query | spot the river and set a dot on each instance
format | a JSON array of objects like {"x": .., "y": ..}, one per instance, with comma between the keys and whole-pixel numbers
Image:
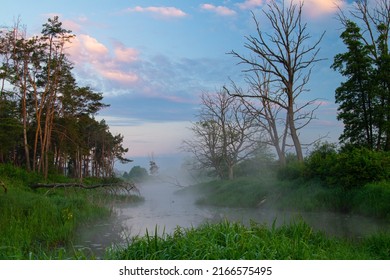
[{"x": 164, "y": 209}]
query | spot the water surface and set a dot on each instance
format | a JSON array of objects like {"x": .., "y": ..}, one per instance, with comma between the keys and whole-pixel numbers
[{"x": 164, "y": 209}]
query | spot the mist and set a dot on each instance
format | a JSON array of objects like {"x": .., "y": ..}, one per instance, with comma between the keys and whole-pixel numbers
[{"x": 172, "y": 199}]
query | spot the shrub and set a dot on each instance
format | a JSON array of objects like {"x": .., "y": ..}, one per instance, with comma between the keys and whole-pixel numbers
[
  {"x": 348, "y": 169},
  {"x": 321, "y": 161},
  {"x": 293, "y": 170}
]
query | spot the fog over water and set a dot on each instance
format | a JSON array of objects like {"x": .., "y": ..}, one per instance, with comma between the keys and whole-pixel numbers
[{"x": 164, "y": 209}]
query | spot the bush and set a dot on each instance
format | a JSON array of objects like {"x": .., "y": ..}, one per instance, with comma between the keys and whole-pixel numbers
[
  {"x": 361, "y": 166},
  {"x": 321, "y": 162},
  {"x": 348, "y": 169},
  {"x": 293, "y": 170}
]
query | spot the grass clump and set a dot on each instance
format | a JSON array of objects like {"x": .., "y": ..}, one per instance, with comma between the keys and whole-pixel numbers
[{"x": 235, "y": 241}]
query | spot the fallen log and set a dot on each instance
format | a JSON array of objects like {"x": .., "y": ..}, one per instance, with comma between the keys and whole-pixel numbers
[{"x": 113, "y": 187}]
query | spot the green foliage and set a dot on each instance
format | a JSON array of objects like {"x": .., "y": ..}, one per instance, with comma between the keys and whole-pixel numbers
[
  {"x": 37, "y": 122},
  {"x": 10, "y": 128},
  {"x": 350, "y": 168},
  {"x": 40, "y": 224},
  {"x": 321, "y": 160},
  {"x": 137, "y": 174},
  {"x": 262, "y": 163},
  {"x": 234, "y": 241},
  {"x": 293, "y": 170},
  {"x": 240, "y": 192},
  {"x": 364, "y": 97},
  {"x": 373, "y": 199}
]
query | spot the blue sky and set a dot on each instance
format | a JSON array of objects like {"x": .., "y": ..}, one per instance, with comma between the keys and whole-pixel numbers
[{"x": 152, "y": 59}]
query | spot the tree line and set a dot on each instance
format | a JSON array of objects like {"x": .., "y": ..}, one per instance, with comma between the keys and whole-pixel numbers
[
  {"x": 47, "y": 121},
  {"x": 235, "y": 123}
]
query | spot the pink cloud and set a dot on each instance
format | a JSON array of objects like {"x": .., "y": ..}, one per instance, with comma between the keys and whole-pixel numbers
[
  {"x": 124, "y": 54},
  {"x": 317, "y": 8},
  {"x": 93, "y": 46},
  {"x": 161, "y": 11},
  {"x": 220, "y": 10},
  {"x": 250, "y": 4},
  {"x": 119, "y": 76},
  {"x": 94, "y": 57}
]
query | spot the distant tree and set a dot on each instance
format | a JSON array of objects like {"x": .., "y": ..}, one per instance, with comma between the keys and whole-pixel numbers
[
  {"x": 224, "y": 135},
  {"x": 137, "y": 174},
  {"x": 286, "y": 56},
  {"x": 153, "y": 167}
]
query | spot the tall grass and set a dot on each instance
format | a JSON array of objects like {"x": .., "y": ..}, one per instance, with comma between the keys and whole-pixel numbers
[
  {"x": 39, "y": 224},
  {"x": 234, "y": 241},
  {"x": 241, "y": 192},
  {"x": 301, "y": 194}
]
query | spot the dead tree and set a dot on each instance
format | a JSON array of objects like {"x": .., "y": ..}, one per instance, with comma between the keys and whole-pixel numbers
[{"x": 287, "y": 56}]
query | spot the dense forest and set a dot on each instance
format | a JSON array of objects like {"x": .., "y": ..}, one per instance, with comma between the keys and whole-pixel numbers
[{"x": 46, "y": 119}]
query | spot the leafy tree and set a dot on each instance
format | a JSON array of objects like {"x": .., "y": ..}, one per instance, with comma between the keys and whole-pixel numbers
[
  {"x": 364, "y": 97},
  {"x": 356, "y": 96},
  {"x": 41, "y": 103}
]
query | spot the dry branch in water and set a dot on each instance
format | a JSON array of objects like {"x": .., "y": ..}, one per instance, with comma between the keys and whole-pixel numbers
[{"x": 114, "y": 188}]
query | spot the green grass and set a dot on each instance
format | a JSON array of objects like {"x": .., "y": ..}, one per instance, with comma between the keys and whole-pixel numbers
[
  {"x": 234, "y": 241},
  {"x": 299, "y": 194},
  {"x": 241, "y": 192},
  {"x": 40, "y": 224}
]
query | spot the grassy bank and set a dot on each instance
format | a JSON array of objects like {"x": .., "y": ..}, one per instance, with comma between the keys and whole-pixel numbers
[
  {"x": 372, "y": 199},
  {"x": 234, "y": 241},
  {"x": 40, "y": 224}
]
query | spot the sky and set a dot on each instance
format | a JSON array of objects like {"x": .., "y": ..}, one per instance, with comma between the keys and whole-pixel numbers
[{"x": 152, "y": 59}]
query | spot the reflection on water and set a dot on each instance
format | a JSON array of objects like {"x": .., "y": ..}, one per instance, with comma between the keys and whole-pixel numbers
[{"x": 164, "y": 210}]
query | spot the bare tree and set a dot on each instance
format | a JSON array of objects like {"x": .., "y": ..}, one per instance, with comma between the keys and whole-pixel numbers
[
  {"x": 267, "y": 106},
  {"x": 224, "y": 135},
  {"x": 285, "y": 59}
]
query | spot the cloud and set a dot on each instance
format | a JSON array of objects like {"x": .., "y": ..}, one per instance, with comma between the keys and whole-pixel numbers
[
  {"x": 314, "y": 8},
  {"x": 93, "y": 58},
  {"x": 250, "y": 4},
  {"x": 118, "y": 75},
  {"x": 166, "y": 12},
  {"x": 124, "y": 54},
  {"x": 219, "y": 10},
  {"x": 317, "y": 8}
]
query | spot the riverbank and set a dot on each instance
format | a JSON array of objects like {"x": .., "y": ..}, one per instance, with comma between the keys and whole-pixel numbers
[
  {"x": 233, "y": 241},
  {"x": 40, "y": 224},
  {"x": 294, "y": 240},
  {"x": 295, "y": 194}
]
